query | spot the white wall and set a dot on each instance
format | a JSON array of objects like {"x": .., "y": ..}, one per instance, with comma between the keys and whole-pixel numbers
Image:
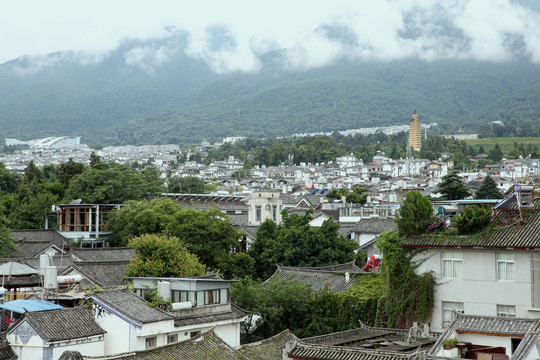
[
  {"x": 230, "y": 333},
  {"x": 120, "y": 336},
  {"x": 479, "y": 289}
]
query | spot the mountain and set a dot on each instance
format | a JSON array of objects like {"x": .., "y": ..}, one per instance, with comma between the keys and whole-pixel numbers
[{"x": 157, "y": 92}]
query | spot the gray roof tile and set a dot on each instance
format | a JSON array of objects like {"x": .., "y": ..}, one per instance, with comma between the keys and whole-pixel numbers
[
  {"x": 526, "y": 236},
  {"x": 129, "y": 304},
  {"x": 203, "y": 347},
  {"x": 65, "y": 324},
  {"x": 268, "y": 349},
  {"x": 320, "y": 277}
]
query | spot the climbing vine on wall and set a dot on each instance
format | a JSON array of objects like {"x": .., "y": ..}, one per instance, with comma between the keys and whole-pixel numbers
[{"x": 407, "y": 296}]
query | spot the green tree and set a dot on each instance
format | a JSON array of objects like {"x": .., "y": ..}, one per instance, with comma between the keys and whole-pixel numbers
[
  {"x": 8, "y": 181},
  {"x": 495, "y": 154},
  {"x": 112, "y": 183},
  {"x": 452, "y": 187},
  {"x": 407, "y": 297},
  {"x": 357, "y": 195},
  {"x": 162, "y": 256},
  {"x": 68, "y": 171},
  {"x": 186, "y": 185},
  {"x": 415, "y": 214},
  {"x": 32, "y": 200},
  {"x": 208, "y": 234},
  {"x": 472, "y": 220},
  {"x": 297, "y": 243},
  {"x": 282, "y": 304},
  {"x": 136, "y": 218},
  {"x": 488, "y": 189}
]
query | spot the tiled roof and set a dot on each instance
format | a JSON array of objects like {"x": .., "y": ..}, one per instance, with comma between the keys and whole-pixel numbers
[
  {"x": 320, "y": 277},
  {"x": 207, "y": 346},
  {"x": 32, "y": 243},
  {"x": 528, "y": 329},
  {"x": 349, "y": 345},
  {"x": 60, "y": 261},
  {"x": 268, "y": 349},
  {"x": 6, "y": 352},
  {"x": 302, "y": 351},
  {"x": 130, "y": 305},
  {"x": 105, "y": 274},
  {"x": 103, "y": 254},
  {"x": 526, "y": 236},
  {"x": 65, "y": 324},
  {"x": 374, "y": 226},
  {"x": 234, "y": 313}
]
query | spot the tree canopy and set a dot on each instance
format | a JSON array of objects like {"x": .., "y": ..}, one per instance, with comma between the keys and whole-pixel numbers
[
  {"x": 208, "y": 234},
  {"x": 357, "y": 195},
  {"x": 186, "y": 185},
  {"x": 296, "y": 243},
  {"x": 452, "y": 187},
  {"x": 32, "y": 200},
  {"x": 415, "y": 214},
  {"x": 472, "y": 220},
  {"x": 488, "y": 189},
  {"x": 111, "y": 183},
  {"x": 162, "y": 256}
]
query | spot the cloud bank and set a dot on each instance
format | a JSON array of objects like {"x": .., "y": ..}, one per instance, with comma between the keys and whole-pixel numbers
[{"x": 230, "y": 36}]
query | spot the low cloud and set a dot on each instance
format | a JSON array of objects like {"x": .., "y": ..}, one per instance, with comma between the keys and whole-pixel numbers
[
  {"x": 312, "y": 34},
  {"x": 148, "y": 58}
]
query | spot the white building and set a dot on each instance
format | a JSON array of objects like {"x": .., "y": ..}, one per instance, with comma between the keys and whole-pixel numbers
[
  {"x": 199, "y": 305},
  {"x": 264, "y": 205},
  {"x": 45, "y": 335},
  {"x": 497, "y": 274}
]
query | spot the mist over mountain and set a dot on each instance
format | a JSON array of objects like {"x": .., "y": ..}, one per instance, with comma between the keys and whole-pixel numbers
[{"x": 177, "y": 90}]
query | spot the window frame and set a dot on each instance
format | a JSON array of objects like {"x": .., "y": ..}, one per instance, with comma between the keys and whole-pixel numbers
[
  {"x": 212, "y": 297},
  {"x": 450, "y": 307},
  {"x": 150, "y": 342},
  {"x": 508, "y": 263},
  {"x": 504, "y": 310},
  {"x": 172, "y": 338},
  {"x": 452, "y": 257}
]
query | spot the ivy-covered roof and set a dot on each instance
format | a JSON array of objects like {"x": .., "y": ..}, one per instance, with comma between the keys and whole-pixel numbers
[
  {"x": 268, "y": 349},
  {"x": 524, "y": 236},
  {"x": 332, "y": 276}
]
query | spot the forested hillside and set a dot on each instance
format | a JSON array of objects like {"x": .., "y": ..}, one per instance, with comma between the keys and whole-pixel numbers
[{"x": 114, "y": 101}]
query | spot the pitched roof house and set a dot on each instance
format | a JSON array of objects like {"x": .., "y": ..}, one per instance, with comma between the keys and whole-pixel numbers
[
  {"x": 47, "y": 334},
  {"x": 495, "y": 274},
  {"x": 489, "y": 337}
]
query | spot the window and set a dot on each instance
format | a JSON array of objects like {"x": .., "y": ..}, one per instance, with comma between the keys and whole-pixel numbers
[
  {"x": 180, "y": 296},
  {"x": 452, "y": 264},
  {"x": 506, "y": 310},
  {"x": 258, "y": 213},
  {"x": 194, "y": 334},
  {"x": 274, "y": 212},
  {"x": 449, "y": 310},
  {"x": 172, "y": 338},
  {"x": 150, "y": 342},
  {"x": 505, "y": 266},
  {"x": 211, "y": 297}
]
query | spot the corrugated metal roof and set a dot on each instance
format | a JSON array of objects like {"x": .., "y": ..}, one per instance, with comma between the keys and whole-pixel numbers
[{"x": 22, "y": 306}]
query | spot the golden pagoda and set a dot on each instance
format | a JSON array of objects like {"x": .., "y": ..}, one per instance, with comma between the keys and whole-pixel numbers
[{"x": 415, "y": 132}]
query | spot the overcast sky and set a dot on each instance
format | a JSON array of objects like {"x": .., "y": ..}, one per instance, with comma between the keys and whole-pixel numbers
[{"x": 487, "y": 30}]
